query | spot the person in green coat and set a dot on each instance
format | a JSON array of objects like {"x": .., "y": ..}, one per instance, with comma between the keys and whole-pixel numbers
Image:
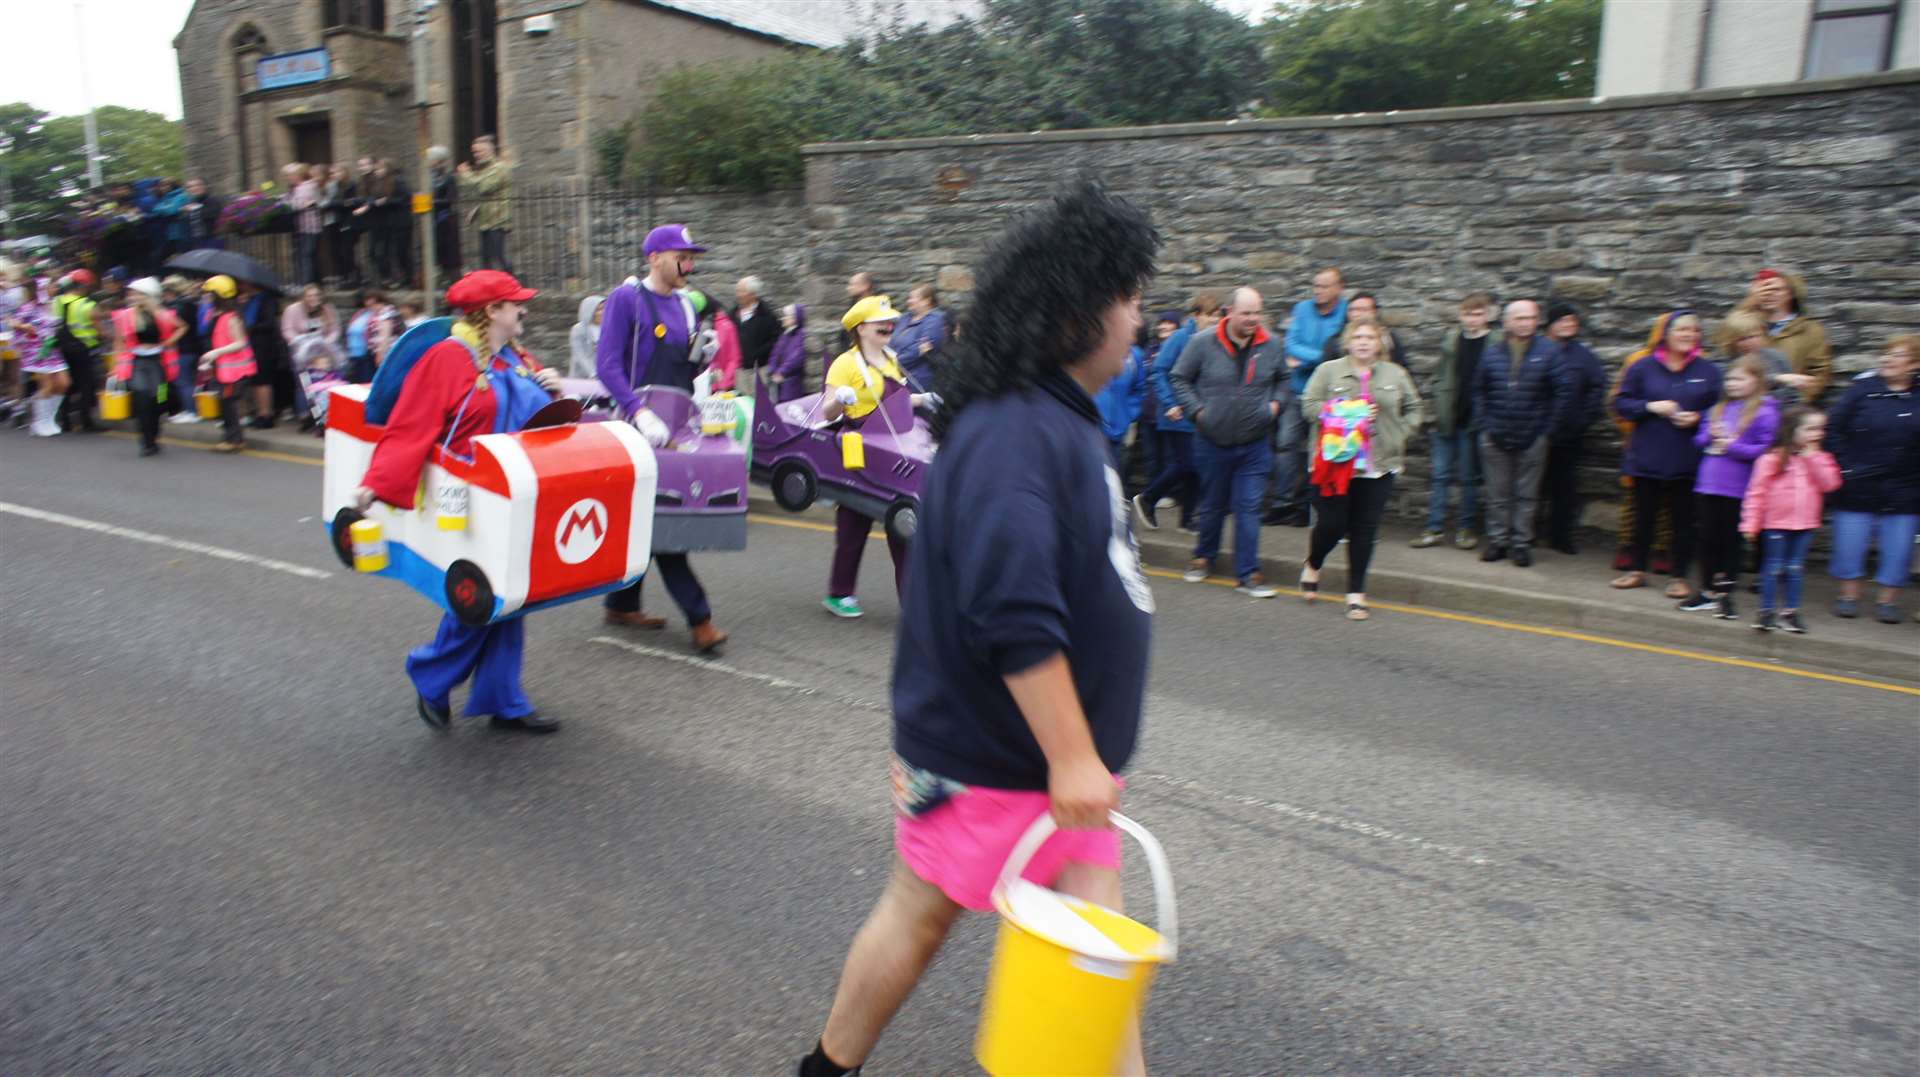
[{"x": 488, "y": 183}]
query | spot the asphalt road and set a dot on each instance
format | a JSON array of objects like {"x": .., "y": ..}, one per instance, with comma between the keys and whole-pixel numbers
[{"x": 1405, "y": 846}]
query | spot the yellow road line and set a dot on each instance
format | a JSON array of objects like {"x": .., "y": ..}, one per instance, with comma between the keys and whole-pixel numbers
[{"x": 1418, "y": 611}]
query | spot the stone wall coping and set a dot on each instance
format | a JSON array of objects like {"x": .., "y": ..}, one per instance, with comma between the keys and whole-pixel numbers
[{"x": 1906, "y": 77}]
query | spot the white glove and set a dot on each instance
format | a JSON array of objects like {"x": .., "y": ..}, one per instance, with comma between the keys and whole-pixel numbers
[
  {"x": 651, "y": 428},
  {"x": 926, "y": 400},
  {"x": 846, "y": 395},
  {"x": 547, "y": 378}
]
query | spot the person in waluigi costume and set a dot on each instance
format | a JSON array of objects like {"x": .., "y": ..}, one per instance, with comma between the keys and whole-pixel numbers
[{"x": 474, "y": 382}]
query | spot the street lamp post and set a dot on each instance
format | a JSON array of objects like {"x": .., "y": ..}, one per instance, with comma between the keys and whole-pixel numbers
[
  {"x": 86, "y": 95},
  {"x": 423, "y": 194}
]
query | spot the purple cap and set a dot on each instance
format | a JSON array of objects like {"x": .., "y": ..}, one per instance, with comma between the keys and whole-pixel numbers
[{"x": 669, "y": 237}]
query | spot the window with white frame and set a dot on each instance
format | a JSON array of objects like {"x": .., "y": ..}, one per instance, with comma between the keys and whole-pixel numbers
[{"x": 1851, "y": 37}]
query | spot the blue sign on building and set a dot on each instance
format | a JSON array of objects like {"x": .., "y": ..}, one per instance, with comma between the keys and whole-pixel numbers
[{"x": 294, "y": 69}]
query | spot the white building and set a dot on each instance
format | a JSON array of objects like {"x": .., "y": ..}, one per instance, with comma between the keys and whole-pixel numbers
[{"x": 1664, "y": 46}]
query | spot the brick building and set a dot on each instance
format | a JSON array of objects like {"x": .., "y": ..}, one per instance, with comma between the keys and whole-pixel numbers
[{"x": 543, "y": 75}]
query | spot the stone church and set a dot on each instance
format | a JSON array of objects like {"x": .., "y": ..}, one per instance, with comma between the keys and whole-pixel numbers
[{"x": 266, "y": 82}]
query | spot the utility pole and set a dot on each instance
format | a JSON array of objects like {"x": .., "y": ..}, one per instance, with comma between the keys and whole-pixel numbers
[
  {"x": 423, "y": 194},
  {"x": 86, "y": 97}
]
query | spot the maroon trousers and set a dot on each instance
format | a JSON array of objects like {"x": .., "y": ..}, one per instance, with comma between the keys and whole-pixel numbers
[{"x": 850, "y": 531}]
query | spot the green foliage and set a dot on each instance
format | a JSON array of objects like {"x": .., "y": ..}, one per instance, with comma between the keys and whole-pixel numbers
[
  {"x": 1024, "y": 65},
  {"x": 46, "y": 159},
  {"x": 1376, "y": 55}
]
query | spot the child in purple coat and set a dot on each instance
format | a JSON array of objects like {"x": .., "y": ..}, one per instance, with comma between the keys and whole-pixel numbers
[{"x": 1734, "y": 433}]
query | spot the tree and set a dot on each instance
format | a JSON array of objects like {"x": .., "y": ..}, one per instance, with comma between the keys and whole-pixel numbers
[
  {"x": 46, "y": 157},
  {"x": 1377, "y": 55}
]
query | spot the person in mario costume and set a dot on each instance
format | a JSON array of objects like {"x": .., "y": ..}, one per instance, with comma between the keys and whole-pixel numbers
[{"x": 474, "y": 382}]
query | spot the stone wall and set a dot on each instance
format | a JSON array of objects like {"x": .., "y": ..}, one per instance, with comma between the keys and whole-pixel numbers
[{"x": 1627, "y": 208}]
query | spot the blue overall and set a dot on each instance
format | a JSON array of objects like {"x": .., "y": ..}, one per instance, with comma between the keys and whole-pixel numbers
[{"x": 490, "y": 654}]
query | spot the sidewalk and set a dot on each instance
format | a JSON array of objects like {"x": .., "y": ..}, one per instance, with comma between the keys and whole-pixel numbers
[{"x": 1559, "y": 592}]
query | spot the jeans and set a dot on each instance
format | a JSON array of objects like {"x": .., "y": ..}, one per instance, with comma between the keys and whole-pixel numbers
[
  {"x": 1176, "y": 476},
  {"x": 1290, "y": 467},
  {"x": 493, "y": 249},
  {"x": 1783, "y": 568},
  {"x": 1649, "y": 495},
  {"x": 1238, "y": 474},
  {"x": 1354, "y": 516},
  {"x": 1456, "y": 462},
  {"x": 340, "y": 243},
  {"x": 1720, "y": 546},
  {"x": 306, "y": 258},
  {"x": 681, "y": 583},
  {"x": 850, "y": 531},
  {"x": 1853, "y": 532},
  {"x": 183, "y": 383},
  {"x": 1513, "y": 487}
]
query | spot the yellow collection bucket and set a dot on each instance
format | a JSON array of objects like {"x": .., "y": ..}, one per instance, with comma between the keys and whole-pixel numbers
[
  {"x": 853, "y": 451},
  {"x": 369, "y": 546},
  {"x": 207, "y": 403},
  {"x": 115, "y": 405},
  {"x": 1070, "y": 978}
]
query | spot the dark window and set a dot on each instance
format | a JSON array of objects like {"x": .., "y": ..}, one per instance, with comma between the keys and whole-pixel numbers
[
  {"x": 1851, "y": 37},
  {"x": 371, "y": 14}
]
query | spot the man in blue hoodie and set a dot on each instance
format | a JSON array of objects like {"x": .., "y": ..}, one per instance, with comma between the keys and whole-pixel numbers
[{"x": 1315, "y": 321}]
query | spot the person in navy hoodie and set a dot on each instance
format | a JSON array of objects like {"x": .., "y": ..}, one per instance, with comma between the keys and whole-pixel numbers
[
  {"x": 1667, "y": 389},
  {"x": 1021, "y": 662},
  {"x": 1176, "y": 477},
  {"x": 1874, "y": 432}
]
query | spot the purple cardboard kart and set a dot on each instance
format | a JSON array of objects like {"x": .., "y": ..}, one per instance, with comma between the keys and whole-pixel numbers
[
  {"x": 701, "y": 500},
  {"x": 800, "y": 457}
]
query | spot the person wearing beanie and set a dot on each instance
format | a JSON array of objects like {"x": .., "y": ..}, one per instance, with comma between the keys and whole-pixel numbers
[{"x": 1585, "y": 382}]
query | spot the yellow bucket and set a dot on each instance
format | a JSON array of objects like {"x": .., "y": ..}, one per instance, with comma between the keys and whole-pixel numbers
[
  {"x": 853, "y": 451},
  {"x": 369, "y": 546},
  {"x": 115, "y": 405},
  {"x": 207, "y": 403},
  {"x": 1070, "y": 978}
]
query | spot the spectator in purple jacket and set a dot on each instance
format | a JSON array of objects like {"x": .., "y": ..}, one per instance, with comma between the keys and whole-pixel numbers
[
  {"x": 787, "y": 366},
  {"x": 1733, "y": 434}
]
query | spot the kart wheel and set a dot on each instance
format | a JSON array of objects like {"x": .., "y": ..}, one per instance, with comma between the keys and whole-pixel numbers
[
  {"x": 794, "y": 486},
  {"x": 903, "y": 519},
  {"x": 342, "y": 537},
  {"x": 469, "y": 595}
]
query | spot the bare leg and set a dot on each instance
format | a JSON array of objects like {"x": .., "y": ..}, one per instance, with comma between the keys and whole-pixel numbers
[
  {"x": 1850, "y": 590},
  {"x": 263, "y": 402},
  {"x": 889, "y": 955},
  {"x": 1888, "y": 596},
  {"x": 1101, "y": 886}
]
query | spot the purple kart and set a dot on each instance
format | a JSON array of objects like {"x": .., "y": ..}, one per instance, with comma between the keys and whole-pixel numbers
[
  {"x": 701, "y": 500},
  {"x": 800, "y": 457}
]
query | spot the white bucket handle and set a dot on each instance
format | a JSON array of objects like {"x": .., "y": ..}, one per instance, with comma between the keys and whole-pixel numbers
[{"x": 1165, "y": 913}]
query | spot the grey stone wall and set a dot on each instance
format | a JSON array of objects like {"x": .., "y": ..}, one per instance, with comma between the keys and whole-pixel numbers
[{"x": 1627, "y": 208}]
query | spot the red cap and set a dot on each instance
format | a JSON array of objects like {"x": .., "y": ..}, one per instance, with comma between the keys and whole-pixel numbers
[
  {"x": 481, "y": 287},
  {"x": 84, "y": 277},
  {"x": 1766, "y": 274}
]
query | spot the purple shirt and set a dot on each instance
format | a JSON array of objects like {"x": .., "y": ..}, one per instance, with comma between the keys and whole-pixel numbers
[
  {"x": 625, "y": 352},
  {"x": 1726, "y": 475}
]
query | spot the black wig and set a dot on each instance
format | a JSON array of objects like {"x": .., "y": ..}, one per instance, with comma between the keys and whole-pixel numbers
[{"x": 1041, "y": 294}]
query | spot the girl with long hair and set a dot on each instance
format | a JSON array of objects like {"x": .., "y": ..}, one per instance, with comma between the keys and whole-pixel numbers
[
  {"x": 1782, "y": 511},
  {"x": 1733, "y": 435}
]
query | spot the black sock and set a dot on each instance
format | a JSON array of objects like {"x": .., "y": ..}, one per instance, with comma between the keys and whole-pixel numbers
[{"x": 818, "y": 1064}]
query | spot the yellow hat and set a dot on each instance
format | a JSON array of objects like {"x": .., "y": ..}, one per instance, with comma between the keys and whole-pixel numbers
[
  {"x": 222, "y": 286},
  {"x": 874, "y": 308}
]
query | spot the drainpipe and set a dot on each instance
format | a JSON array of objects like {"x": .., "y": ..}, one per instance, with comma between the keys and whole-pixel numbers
[{"x": 1706, "y": 39}]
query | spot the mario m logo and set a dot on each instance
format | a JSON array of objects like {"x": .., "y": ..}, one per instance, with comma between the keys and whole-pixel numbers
[{"x": 583, "y": 527}]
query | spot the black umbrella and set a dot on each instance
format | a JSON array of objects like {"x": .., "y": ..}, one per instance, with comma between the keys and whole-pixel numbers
[{"x": 232, "y": 263}]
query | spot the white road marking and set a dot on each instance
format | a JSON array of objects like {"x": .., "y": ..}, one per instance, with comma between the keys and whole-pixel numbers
[
  {"x": 1310, "y": 816},
  {"x": 161, "y": 540}
]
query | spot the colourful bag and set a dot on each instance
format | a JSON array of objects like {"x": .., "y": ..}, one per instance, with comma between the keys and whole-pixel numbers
[{"x": 1343, "y": 432}]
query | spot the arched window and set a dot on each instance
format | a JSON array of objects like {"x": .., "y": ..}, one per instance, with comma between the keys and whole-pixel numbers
[{"x": 249, "y": 45}]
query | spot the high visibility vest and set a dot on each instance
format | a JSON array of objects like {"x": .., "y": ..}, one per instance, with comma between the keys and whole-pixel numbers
[
  {"x": 238, "y": 366},
  {"x": 126, "y": 325},
  {"x": 77, "y": 312}
]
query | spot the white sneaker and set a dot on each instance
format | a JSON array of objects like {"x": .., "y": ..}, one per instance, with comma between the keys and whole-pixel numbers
[
  {"x": 185, "y": 418},
  {"x": 1165, "y": 503},
  {"x": 1256, "y": 586}
]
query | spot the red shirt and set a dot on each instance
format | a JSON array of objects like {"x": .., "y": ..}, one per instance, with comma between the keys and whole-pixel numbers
[{"x": 430, "y": 400}]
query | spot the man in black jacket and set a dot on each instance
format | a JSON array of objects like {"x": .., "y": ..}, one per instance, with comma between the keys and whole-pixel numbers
[
  {"x": 1585, "y": 381},
  {"x": 1519, "y": 397},
  {"x": 759, "y": 327}
]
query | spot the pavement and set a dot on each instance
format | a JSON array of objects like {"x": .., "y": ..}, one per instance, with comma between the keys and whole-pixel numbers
[
  {"x": 1559, "y": 592},
  {"x": 1421, "y": 844}
]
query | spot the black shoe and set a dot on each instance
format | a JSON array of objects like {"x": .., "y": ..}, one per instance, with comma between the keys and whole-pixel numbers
[
  {"x": 1764, "y": 623},
  {"x": 306, "y": 424},
  {"x": 437, "y": 718},
  {"x": 1700, "y": 602},
  {"x": 1790, "y": 622},
  {"x": 529, "y": 723},
  {"x": 1568, "y": 548},
  {"x": 1725, "y": 612},
  {"x": 259, "y": 422},
  {"x": 149, "y": 450},
  {"x": 1522, "y": 557},
  {"x": 1301, "y": 518},
  {"x": 1494, "y": 553}
]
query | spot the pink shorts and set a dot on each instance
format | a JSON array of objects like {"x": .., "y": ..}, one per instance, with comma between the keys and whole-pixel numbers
[{"x": 961, "y": 845}]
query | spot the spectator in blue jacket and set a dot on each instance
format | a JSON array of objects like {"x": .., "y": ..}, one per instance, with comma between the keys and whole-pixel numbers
[
  {"x": 1585, "y": 381},
  {"x": 920, "y": 337},
  {"x": 1314, "y": 322},
  {"x": 1519, "y": 399},
  {"x": 1874, "y": 432},
  {"x": 1176, "y": 478},
  {"x": 1666, "y": 389}
]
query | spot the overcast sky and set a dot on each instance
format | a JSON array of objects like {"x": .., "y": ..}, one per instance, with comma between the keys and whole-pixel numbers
[{"x": 129, "y": 56}]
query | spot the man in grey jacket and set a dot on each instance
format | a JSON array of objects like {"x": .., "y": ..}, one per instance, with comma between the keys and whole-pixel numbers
[{"x": 1232, "y": 382}]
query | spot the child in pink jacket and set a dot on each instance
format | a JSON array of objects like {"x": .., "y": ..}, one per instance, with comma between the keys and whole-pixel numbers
[{"x": 1782, "y": 508}]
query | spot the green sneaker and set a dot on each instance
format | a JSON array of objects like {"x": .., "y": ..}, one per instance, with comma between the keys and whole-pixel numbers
[{"x": 848, "y": 607}]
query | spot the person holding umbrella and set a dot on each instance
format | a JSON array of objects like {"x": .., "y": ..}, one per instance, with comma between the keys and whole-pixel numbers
[{"x": 442, "y": 403}]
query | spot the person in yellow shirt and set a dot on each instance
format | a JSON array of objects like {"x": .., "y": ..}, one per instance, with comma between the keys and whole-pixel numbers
[{"x": 855, "y": 383}]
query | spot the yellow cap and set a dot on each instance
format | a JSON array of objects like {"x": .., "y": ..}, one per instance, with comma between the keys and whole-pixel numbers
[
  {"x": 222, "y": 286},
  {"x": 874, "y": 308}
]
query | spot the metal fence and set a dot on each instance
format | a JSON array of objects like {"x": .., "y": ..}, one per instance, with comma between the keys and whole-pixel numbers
[{"x": 566, "y": 238}]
